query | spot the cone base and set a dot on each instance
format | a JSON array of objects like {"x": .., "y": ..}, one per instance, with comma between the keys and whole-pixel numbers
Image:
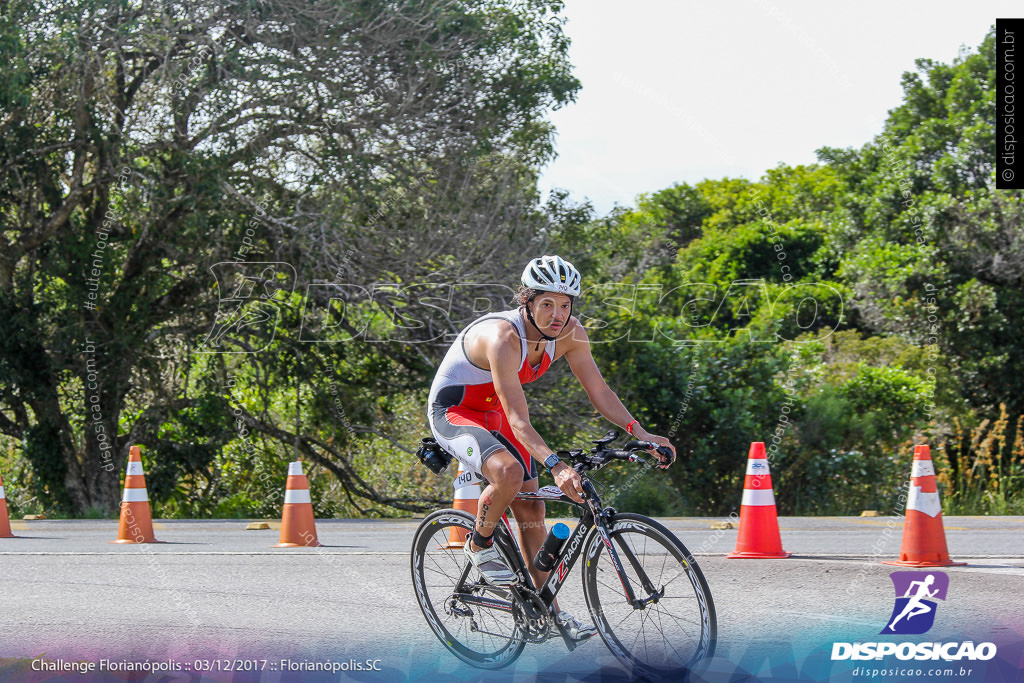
[
  {"x": 939, "y": 563},
  {"x": 298, "y": 527},
  {"x": 316, "y": 544},
  {"x": 734, "y": 555},
  {"x": 8, "y": 536},
  {"x": 128, "y": 540}
]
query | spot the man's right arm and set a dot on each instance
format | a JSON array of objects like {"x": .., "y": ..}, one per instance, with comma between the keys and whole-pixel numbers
[{"x": 504, "y": 356}]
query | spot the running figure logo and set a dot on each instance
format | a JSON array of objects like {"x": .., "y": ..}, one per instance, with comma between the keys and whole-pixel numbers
[
  {"x": 914, "y": 612},
  {"x": 248, "y": 306}
]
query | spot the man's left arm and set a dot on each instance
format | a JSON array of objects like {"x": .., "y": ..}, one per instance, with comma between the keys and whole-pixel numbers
[{"x": 581, "y": 360}]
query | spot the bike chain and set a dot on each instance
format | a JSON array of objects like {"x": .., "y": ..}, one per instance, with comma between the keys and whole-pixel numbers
[{"x": 535, "y": 627}]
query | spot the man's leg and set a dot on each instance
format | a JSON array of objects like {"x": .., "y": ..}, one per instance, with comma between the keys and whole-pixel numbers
[
  {"x": 529, "y": 515},
  {"x": 505, "y": 476},
  {"x": 532, "y": 532}
]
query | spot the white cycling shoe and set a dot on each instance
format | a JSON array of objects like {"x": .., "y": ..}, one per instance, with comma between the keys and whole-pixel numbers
[
  {"x": 490, "y": 565},
  {"x": 574, "y": 628}
]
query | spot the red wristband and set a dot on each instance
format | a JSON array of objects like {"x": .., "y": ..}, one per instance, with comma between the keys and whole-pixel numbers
[{"x": 629, "y": 427}]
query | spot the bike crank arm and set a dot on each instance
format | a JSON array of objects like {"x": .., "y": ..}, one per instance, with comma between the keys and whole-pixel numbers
[{"x": 570, "y": 644}]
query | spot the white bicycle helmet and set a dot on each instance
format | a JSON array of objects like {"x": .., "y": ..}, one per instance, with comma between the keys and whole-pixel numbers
[{"x": 552, "y": 274}]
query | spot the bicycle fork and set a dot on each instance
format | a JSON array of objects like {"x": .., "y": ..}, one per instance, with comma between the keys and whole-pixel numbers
[{"x": 654, "y": 595}]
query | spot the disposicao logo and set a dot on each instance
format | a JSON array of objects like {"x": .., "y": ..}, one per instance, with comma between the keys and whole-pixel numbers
[{"x": 914, "y": 614}]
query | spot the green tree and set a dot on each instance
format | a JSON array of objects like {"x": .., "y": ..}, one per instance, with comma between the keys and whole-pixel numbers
[
  {"x": 930, "y": 249},
  {"x": 142, "y": 145},
  {"x": 878, "y": 292}
]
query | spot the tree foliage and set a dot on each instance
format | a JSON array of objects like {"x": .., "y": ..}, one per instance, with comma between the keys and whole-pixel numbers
[
  {"x": 146, "y": 143},
  {"x": 840, "y": 312},
  {"x": 240, "y": 233}
]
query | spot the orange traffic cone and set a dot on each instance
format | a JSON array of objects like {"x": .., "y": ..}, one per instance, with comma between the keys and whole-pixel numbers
[
  {"x": 924, "y": 538},
  {"x": 759, "y": 526},
  {"x": 298, "y": 527},
  {"x": 136, "y": 523},
  {"x": 466, "y": 498},
  {"x": 5, "y": 521}
]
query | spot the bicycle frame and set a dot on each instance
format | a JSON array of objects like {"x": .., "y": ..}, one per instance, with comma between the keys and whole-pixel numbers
[
  {"x": 594, "y": 519},
  {"x": 488, "y": 626}
]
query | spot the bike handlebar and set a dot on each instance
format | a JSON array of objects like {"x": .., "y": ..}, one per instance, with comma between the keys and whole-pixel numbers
[
  {"x": 664, "y": 452},
  {"x": 601, "y": 455}
]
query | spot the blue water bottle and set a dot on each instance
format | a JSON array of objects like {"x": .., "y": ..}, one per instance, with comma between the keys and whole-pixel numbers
[{"x": 545, "y": 558}]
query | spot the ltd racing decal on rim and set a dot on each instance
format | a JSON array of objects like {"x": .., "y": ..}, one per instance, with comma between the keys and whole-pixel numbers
[
  {"x": 452, "y": 519},
  {"x": 425, "y": 606}
]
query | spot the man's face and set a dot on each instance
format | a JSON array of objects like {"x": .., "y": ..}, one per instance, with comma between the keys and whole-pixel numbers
[{"x": 552, "y": 311}]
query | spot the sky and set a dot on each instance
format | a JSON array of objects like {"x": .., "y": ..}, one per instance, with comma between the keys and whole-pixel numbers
[{"x": 678, "y": 91}]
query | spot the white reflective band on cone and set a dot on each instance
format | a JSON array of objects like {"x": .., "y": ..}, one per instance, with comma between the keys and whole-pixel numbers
[
  {"x": 135, "y": 496},
  {"x": 922, "y": 468},
  {"x": 294, "y": 468},
  {"x": 757, "y": 466},
  {"x": 297, "y": 496},
  {"x": 468, "y": 492},
  {"x": 928, "y": 503},
  {"x": 134, "y": 467},
  {"x": 751, "y": 497},
  {"x": 2, "y": 496}
]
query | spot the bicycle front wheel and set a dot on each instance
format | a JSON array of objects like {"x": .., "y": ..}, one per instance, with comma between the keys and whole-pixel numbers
[
  {"x": 473, "y": 619},
  {"x": 672, "y": 626}
]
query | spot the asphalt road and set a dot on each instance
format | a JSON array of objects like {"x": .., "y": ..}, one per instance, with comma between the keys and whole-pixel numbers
[{"x": 215, "y": 592}]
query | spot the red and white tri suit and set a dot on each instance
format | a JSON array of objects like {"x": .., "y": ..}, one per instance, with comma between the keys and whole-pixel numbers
[{"x": 463, "y": 409}]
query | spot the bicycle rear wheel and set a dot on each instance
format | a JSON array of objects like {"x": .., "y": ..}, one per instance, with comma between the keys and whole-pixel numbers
[
  {"x": 676, "y": 627},
  {"x": 474, "y": 621}
]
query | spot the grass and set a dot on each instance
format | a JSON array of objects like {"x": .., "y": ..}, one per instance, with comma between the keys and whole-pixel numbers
[{"x": 983, "y": 503}]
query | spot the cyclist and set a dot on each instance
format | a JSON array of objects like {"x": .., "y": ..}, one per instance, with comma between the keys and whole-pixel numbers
[{"x": 477, "y": 411}]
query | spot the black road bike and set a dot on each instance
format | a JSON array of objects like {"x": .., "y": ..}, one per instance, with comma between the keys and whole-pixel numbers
[{"x": 646, "y": 595}]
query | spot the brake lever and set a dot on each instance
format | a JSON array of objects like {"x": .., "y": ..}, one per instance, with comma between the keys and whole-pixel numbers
[
  {"x": 659, "y": 452},
  {"x": 666, "y": 453}
]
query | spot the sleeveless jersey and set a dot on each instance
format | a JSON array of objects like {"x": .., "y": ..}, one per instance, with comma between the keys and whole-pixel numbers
[{"x": 459, "y": 382}]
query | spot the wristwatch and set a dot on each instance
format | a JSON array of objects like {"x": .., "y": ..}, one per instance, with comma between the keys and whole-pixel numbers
[{"x": 551, "y": 461}]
